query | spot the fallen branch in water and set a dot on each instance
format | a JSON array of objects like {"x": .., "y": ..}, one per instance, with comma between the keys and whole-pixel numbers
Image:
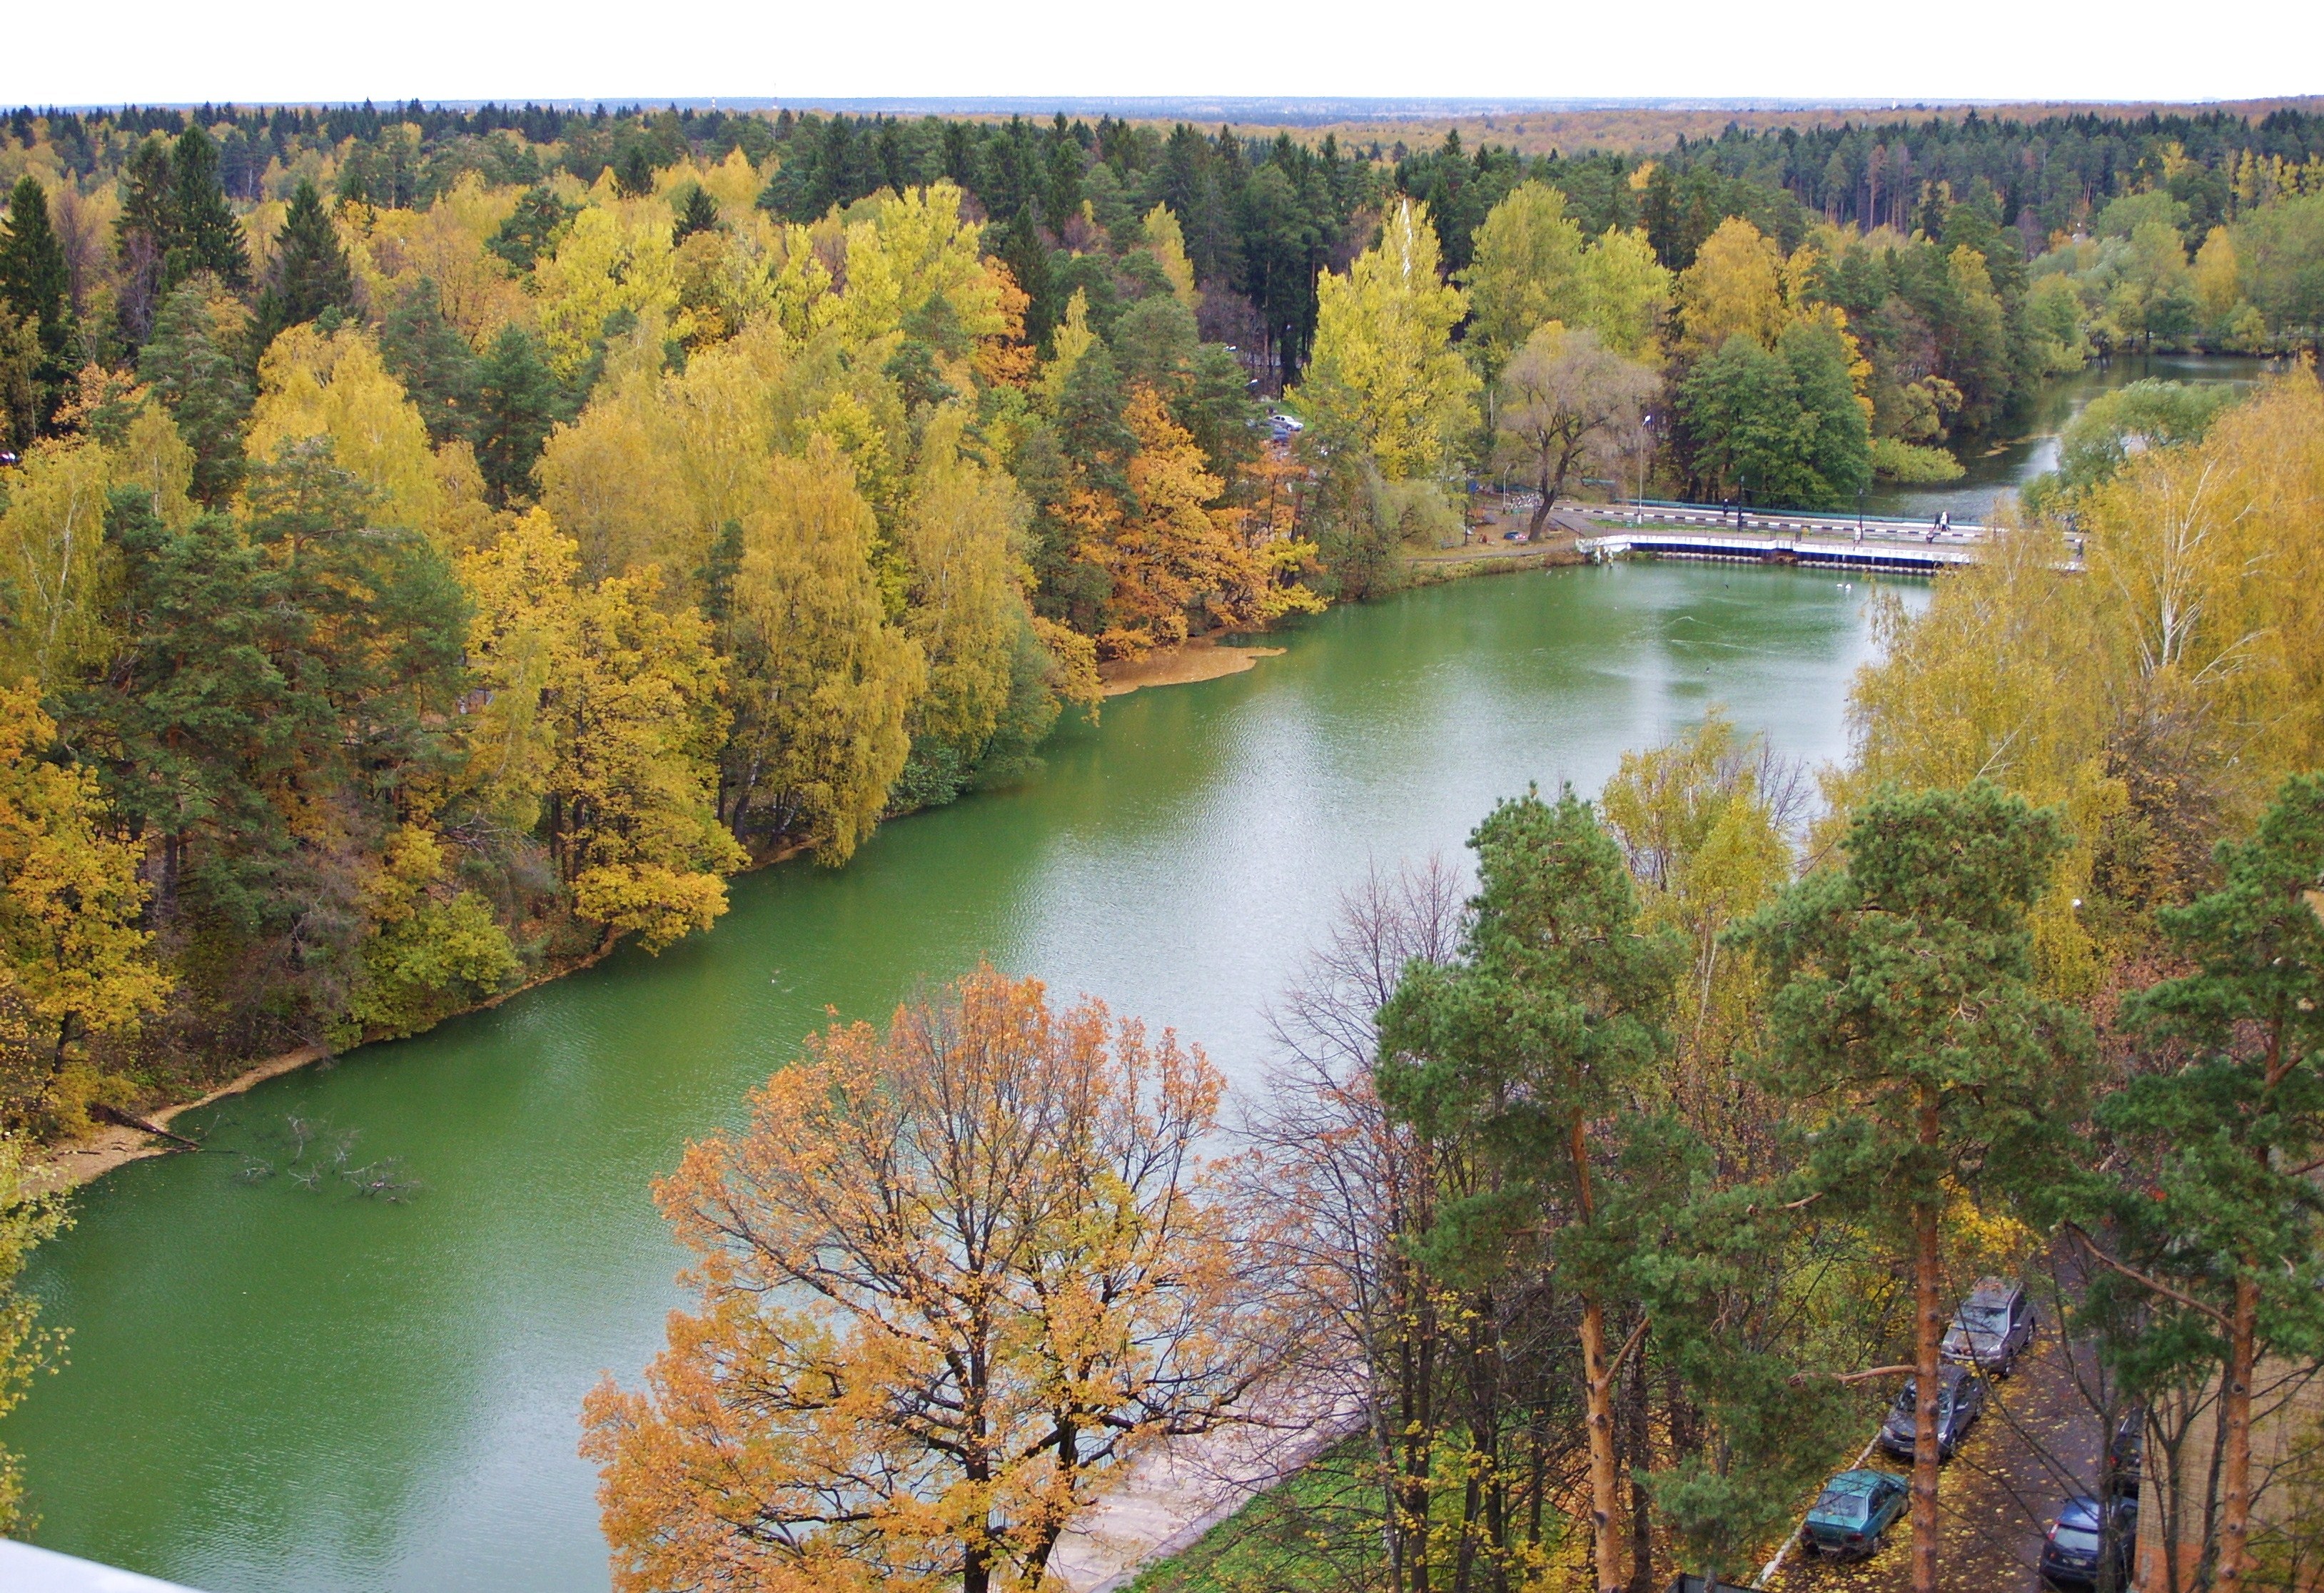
[{"x": 119, "y": 1119}]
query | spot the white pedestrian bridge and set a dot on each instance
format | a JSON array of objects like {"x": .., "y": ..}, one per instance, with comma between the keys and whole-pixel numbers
[{"x": 1778, "y": 537}]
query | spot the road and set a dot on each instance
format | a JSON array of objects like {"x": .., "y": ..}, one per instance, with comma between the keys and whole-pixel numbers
[{"x": 2037, "y": 1442}]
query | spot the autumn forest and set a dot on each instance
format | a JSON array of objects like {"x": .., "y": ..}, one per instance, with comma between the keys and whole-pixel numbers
[{"x": 438, "y": 546}]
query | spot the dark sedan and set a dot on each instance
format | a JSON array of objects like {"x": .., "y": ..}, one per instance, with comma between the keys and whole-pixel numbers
[
  {"x": 2071, "y": 1552},
  {"x": 1960, "y": 1401}
]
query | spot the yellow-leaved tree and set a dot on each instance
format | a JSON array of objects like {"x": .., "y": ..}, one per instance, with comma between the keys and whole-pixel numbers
[
  {"x": 1385, "y": 377},
  {"x": 313, "y": 384},
  {"x": 1735, "y": 284},
  {"x": 1526, "y": 270},
  {"x": 603, "y": 266},
  {"x": 432, "y": 949},
  {"x": 1172, "y": 552},
  {"x": 822, "y": 680},
  {"x": 1166, "y": 241},
  {"x": 967, "y": 607},
  {"x": 1626, "y": 292},
  {"x": 445, "y": 245},
  {"x": 613, "y": 478},
  {"x": 952, "y": 1278},
  {"x": 915, "y": 264},
  {"x": 27, "y": 1216},
  {"x": 1700, "y": 820},
  {"x": 56, "y": 571},
  {"x": 2160, "y": 697},
  {"x": 73, "y": 963},
  {"x": 601, "y": 717}
]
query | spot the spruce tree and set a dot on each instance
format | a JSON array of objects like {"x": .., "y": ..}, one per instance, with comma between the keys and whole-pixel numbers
[
  {"x": 697, "y": 214},
  {"x": 143, "y": 237},
  {"x": 201, "y": 385},
  {"x": 1028, "y": 259},
  {"x": 36, "y": 283},
  {"x": 311, "y": 272},
  {"x": 532, "y": 229},
  {"x": 207, "y": 236},
  {"x": 634, "y": 171},
  {"x": 426, "y": 353}
]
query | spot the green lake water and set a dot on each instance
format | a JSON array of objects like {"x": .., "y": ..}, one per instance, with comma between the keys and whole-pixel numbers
[
  {"x": 2006, "y": 466},
  {"x": 273, "y": 1389}
]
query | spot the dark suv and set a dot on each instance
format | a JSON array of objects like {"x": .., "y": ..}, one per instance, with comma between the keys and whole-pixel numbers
[
  {"x": 1993, "y": 1326},
  {"x": 1960, "y": 1401},
  {"x": 2070, "y": 1552}
]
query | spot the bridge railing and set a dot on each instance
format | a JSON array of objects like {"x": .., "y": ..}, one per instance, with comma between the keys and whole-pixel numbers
[{"x": 1816, "y": 519}]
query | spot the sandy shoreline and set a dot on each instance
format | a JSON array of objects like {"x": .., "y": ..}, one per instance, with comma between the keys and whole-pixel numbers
[
  {"x": 1186, "y": 664},
  {"x": 69, "y": 1166}
]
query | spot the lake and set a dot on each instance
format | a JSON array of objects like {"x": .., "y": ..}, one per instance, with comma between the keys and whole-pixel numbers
[{"x": 270, "y": 1388}]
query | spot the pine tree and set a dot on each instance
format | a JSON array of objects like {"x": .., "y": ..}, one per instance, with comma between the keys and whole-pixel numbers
[
  {"x": 2217, "y": 1207},
  {"x": 311, "y": 272},
  {"x": 1525, "y": 1048},
  {"x": 34, "y": 282},
  {"x": 533, "y": 228},
  {"x": 1904, "y": 1002},
  {"x": 207, "y": 236}
]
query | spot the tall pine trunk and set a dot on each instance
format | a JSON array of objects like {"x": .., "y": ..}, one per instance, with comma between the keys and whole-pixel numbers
[
  {"x": 1927, "y": 1339},
  {"x": 1605, "y": 1505},
  {"x": 2235, "y": 1462},
  {"x": 1605, "y": 1539}
]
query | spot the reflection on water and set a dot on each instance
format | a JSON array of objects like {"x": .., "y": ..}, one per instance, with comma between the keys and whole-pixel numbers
[{"x": 2011, "y": 464}]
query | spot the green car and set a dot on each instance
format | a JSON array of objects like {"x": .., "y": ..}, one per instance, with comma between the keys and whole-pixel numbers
[{"x": 1855, "y": 1508}]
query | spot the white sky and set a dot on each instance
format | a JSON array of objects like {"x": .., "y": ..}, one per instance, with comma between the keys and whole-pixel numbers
[{"x": 161, "y": 50}]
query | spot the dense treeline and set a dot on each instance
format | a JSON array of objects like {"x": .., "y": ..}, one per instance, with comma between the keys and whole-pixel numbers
[
  {"x": 864, "y": 440},
  {"x": 1619, "y": 1185},
  {"x": 403, "y": 597}
]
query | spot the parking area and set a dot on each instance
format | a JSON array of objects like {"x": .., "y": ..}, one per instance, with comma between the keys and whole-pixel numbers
[{"x": 2037, "y": 1442}]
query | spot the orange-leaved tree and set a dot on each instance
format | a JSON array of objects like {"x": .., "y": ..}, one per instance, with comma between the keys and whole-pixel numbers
[{"x": 950, "y": 1277}]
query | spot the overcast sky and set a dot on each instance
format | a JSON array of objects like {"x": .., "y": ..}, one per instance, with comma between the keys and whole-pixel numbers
[{"x": 56, "y": 51}]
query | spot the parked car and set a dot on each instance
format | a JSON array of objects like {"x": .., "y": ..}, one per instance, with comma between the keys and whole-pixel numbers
[
  {"x": 2070, "y": 1552},
  {"x": 1852, "y": 1512},
  {"x": 1960, "y": 1401},
  {"x": 1993, "y": 1326}
]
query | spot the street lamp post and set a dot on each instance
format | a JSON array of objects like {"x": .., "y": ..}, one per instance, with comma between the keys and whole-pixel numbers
[{"x": 1645, "y": 452}]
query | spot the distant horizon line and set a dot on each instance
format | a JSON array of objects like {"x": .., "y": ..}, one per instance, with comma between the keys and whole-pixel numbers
[{"x": 1313, "y": 109}]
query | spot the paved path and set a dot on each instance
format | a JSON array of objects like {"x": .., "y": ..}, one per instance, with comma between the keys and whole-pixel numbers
[{"x": 1180, "y": 1488}]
